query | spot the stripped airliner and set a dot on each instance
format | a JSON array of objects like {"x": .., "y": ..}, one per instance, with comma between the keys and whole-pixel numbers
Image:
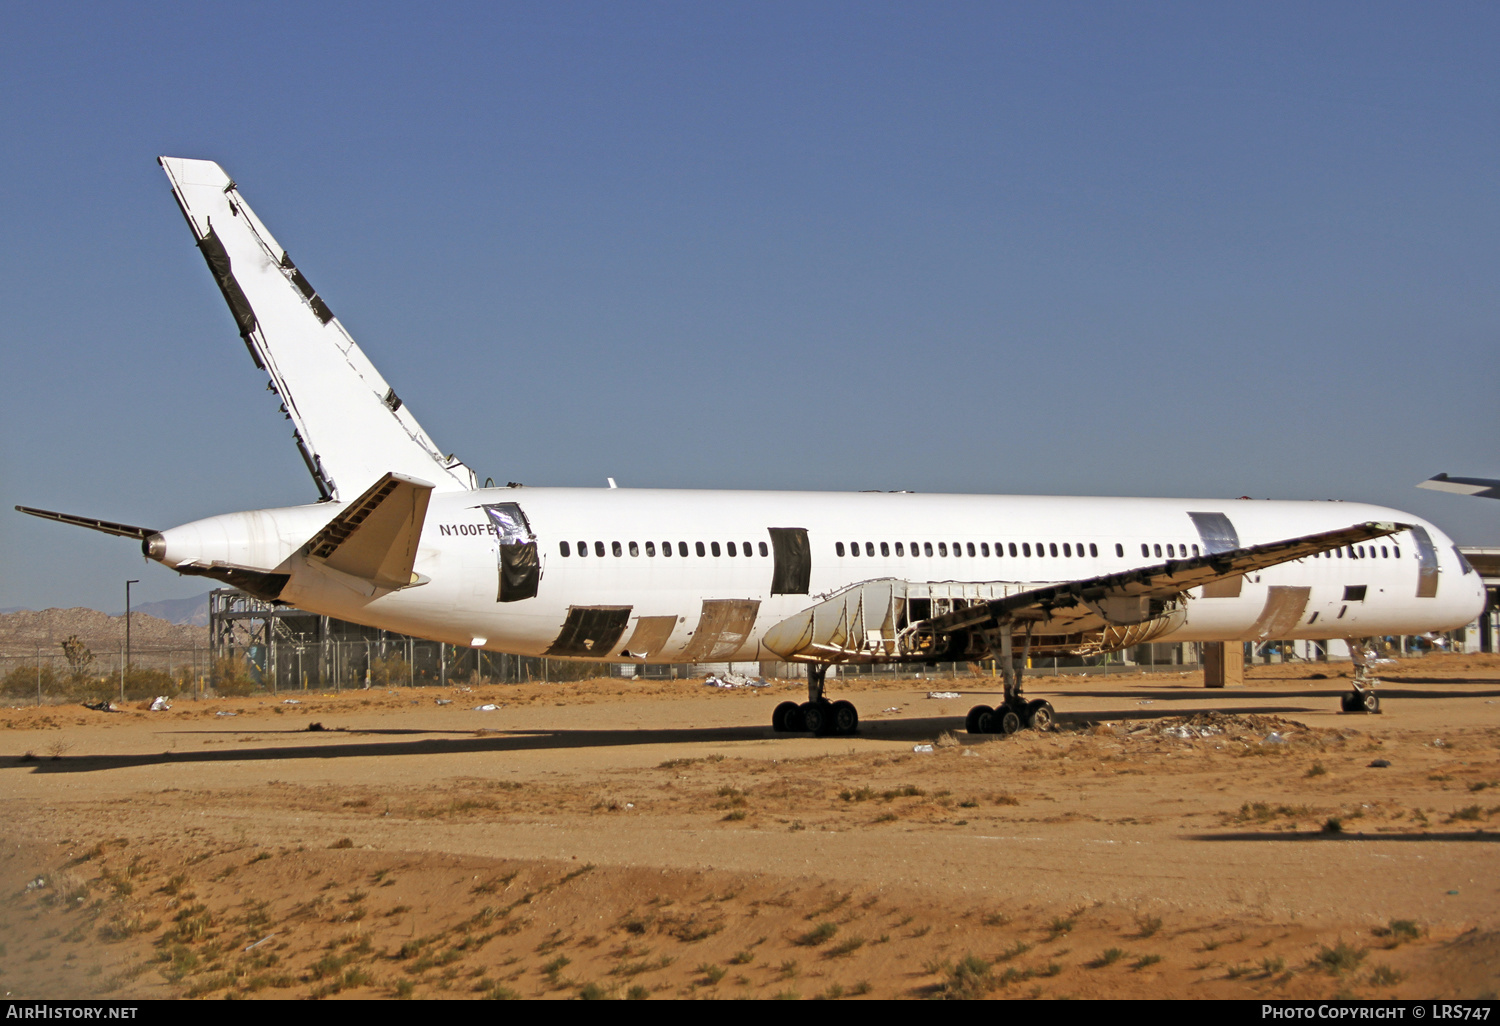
[{"x": 403, "y": 538}]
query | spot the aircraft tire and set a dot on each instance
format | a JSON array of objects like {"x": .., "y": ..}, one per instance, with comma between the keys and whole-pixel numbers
[
  {"x": 1009, "y": 722},
  {"x": 984, "y": 720},
  {"x": 1350, "y": 702},
  {"x": 783, "y": 713},
  {"x": 1370, "y": 702},
  {"x": 845, "y": 718},
  {"x": 969, "y": 720},
  {"x": 815, "y": 717},
  {"x": 1039, "y": 715}
]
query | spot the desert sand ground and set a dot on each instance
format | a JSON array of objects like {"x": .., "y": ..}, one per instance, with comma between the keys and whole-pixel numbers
[{"x": 657, "y": 840}]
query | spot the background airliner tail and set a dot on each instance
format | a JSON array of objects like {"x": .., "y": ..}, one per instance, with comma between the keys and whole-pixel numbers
[{"x": 350, "y": 426}]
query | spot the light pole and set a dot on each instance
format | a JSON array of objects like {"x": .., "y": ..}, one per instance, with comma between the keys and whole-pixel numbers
[{"x": 127, "y": 638}]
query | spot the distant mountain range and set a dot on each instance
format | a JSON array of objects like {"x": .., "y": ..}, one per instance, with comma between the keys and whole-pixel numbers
[{"x": 184, "y": 610}]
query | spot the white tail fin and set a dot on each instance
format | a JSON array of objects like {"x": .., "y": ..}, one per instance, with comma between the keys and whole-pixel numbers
[{"x": 349, "y": 425}]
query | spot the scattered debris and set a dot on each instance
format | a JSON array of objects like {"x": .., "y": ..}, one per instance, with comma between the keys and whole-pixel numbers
[
  {"x": 1274, "y": 738},
  {"x": 160, "y": 704},
  {"x": 252, "y": 947},
  {"x": 894, "y": 708},
  {"x": 445, "y": 701},
  {"x": 290, "y": 701},
  {"x": 315, "y": 727},
  {"x": 735, "y": 680},
  {"x": 944, "y": 694},
  {"x": 488, "y": 707},
  {"x": 1146, "y": 701},
  {"x": 921, "y": 748},
  {"x": 103, "y": 706},
  {"x": 221, "y": 712},
  {"x": 1380, "y": 763}
]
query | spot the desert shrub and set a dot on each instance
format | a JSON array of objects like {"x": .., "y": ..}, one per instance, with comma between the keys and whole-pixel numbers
[
  {"x": 143, "y": 683},
  {"x": 21, "y": 682},
  {"x": 231, "y": 678},
  {"x": 388, "y": 671}
]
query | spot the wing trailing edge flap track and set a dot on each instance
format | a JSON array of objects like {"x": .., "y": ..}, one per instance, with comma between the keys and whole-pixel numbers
[{"x": 350, "y": 426}]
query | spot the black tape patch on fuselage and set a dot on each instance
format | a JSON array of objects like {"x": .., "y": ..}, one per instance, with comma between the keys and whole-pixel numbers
[{"x": 591, "y": 631}]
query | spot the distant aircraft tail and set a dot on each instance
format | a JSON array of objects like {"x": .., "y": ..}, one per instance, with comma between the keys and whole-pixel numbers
[{"x": 349, "y": 424}]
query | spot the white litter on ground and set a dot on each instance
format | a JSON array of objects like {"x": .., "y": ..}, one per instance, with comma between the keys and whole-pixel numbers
[
  {"x": 445, "y": 701},
  {"x": 291, "y": 701},
  {"x": 485, "y": 708},
  {"x": 160, "y": 704},
  {"x": 734, "y": 680},
  {"x": 944, "y": 694},
  {"x": 921, "y": 748}
]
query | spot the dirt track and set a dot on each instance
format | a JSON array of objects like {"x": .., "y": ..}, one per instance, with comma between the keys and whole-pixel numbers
[{"x": 658, "y": 840}]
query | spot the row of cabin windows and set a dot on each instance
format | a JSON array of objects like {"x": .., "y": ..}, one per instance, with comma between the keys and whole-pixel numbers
[
  {"x": 712, "y": 548},
  {"x": 1360, "y": 552},
  {"x": 982, "y": 549}
]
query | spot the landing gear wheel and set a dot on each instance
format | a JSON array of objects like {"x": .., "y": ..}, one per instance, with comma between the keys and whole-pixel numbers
[
  {"x": 783, "y": 714},
  {"x": 1009, "y": 721},
  {"x": 1369, "y": 702},
  {"x": 1352, "y": 702},
  {"x": 815, "y": 717},
  {"x": 845, "y": 718},
  {"x": 981, "y": 720},
  {"x": 1039, "y": 715}
]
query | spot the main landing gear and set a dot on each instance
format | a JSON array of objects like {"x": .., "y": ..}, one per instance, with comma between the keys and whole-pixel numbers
[
  {"x": 817, "y": 715},
  {"x": 1362, "y": 698},
  {"x": 1014, "y": 712}
]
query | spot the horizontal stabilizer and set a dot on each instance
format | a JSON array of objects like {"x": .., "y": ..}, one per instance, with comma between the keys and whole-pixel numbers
[
  {"x": 375, "y": 538},
  {"x": 108, "y": 527},
  {"x": 349, "y": 425},
  {"x": 1484, "y": 487}
]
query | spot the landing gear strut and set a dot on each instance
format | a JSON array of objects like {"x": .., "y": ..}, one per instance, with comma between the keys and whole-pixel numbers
[
  {"x": 817, "y": 715},
  {"x": 1362, "y": 698},
  {"x": 1014, "y": 712}
]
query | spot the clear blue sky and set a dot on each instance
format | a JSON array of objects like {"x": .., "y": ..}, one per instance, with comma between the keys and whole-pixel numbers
[{"x": 1140, "y": 249}]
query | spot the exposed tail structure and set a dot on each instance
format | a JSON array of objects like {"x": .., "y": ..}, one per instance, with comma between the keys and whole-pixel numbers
[{"x": 349, "y": 424}]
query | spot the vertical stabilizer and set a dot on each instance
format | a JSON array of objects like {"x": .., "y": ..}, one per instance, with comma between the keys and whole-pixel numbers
[{"x": 349, "y": 425}]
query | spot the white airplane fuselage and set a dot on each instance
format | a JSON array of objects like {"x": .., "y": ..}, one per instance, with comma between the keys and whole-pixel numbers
[{"x": 634, "y": 529}]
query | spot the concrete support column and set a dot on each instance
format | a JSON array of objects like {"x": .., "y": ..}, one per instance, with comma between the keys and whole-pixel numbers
[{"x": 1223, "y": 664}]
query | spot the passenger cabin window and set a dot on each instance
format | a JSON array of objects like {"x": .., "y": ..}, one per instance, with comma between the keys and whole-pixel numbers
[
  {"x": 1119, "y": 550},
  {"x": 942, "y": 548},
  {"x": 666, "y": 548},
  {"x": 598, "y": 548},
  {"x": 682, "y": 549},
  {"x": 1145, "y": 549},
  {"x": 1093, "y": 550},
  {"x": 563, "y": 548},
  {"x": 970, "y": 547},
  {"x": 899, "y": 552},
  {"x": 714, "y": 547},
  {"x": 1067, "y": 550},
  {"x": 763, "y": 550},
  {"x": 634, "y": 549},
  {"x": 730, "y": 546},
  {"x": 651, "y": 548},
  {"x": 1053, "y": 548},
  {"x": 1158, "y": 550},
  {"x": 615, "y": 548},
  {"x": 885, "y": 548},
  {"x": 1013, "y": 549},
  {"x": 869, "y": 548},
  {"x": 698, "y": 547},
  {"x": 838, "y": 548},
  {"x": 927, "y": 548}
]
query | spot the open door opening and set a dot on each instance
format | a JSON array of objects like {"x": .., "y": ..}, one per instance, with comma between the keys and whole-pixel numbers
[{"x": 520, "y": 567}]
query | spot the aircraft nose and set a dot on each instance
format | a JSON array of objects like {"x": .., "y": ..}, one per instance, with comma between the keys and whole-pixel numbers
[{"x": 154, "y": 546}]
